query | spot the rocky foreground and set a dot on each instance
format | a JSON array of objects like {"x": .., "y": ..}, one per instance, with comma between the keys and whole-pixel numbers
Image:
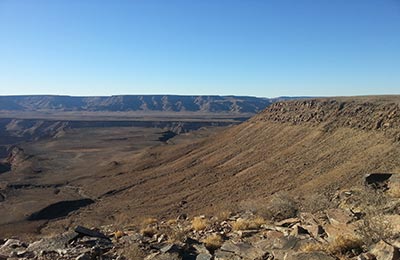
[{"x": 362, "y": 224}]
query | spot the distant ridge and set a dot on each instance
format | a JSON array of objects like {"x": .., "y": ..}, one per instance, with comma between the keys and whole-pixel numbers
[{"x": 169, "y": 103}]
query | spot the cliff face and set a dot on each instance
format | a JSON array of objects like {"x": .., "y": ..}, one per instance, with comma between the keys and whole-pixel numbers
[
  {"x": 170, "y": 103},
  {"x": 381, "y": 114}
]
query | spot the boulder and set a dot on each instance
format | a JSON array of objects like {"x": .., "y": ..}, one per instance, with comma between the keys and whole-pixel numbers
[
  {"x": 54, "y": 244},
  {"x": 204, "y": 257},
  {"x": 299, "y": 231},
  {"x": 308, "y": 219},
  {"x": 339, "y": 230},
  {"x": 223, "y": 255},
  {"x": 314, "y": 230},
  {"x": 385, "y": 251},
  {"x": 89, "y": 232},
  {"x": 339, "y": 216},
  {"x": 288, "y": 222},
  {"x": 394, "y": 185},
  {"x": 11, "y": 247},
  {"x": 377, "y": 180}
]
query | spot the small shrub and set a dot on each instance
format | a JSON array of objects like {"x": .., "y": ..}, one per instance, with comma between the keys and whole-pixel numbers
[
  {"x": 176, "y": 236},
  {"x": 281, "y": 207},
  {"x": 148, "y": 231},
  {"x": 133, "y": 252},
  {"x": 171, "y": 222},
  {"x": 213, "y": 242},
  {"x": 373, "y": 228},
  {"x": 343, "y": 245},
  {"x": 245, "y": 224},
  {"x": 317, "y": 202},
  {"x": 199, "y": 223},
  {"x": 149, "y": 221},
  {"x": 118, "y": 234},
  {"x": 313, "y": 247},
  {"x": 223, "y": 215},
  {"x": 340, "y": 246}
]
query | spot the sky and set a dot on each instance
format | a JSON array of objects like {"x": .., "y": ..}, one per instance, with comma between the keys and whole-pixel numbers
[{"x": 265, "y": 48}]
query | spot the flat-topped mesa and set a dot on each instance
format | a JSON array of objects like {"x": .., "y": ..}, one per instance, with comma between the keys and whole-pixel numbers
[{"x": 333, "y": 113}]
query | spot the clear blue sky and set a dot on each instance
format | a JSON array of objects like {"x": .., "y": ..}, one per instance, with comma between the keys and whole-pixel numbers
[{"x": 240, "y": 47}]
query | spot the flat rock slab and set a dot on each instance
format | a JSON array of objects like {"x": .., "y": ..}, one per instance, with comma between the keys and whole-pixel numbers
[
  {"x": 309, "y": 256},
  {"x": 55, "y": 244},
  {"x": 384, "y": 251},
  {"x": 244, "y": 250},
  {"x": 88, "y": 232},
  {"x": 338, "y": 216},
  {"x": 204, "y": 257}
]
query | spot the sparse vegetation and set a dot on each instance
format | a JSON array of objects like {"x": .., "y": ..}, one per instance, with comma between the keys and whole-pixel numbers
[
  {"x": 317, "y": 202},
  {"x": 118, "y": 234},
  {"x": 148, "y": 231},
  {"x": 373, "y": 225},
  {"x": 281, "y": 206},
  {"x": 340, "y": 246},
  {"x": 223, "y": 215},
  {"x": 246, "y": 224},
  {"x": 149, "y": 221},
  {"x": 199, "y": 223},
  {"x": 134, "y": 252},
  {"x": 213, "y": 242}
]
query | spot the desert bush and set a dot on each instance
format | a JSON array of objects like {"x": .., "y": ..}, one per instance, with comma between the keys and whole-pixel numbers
[
  {"x": 148, "y": 231},
  {"x": 246, "y": 224},
  {"x": 223, "y": 215},
  {"x": 213, "y": 242},
  {"x": 340, "y": 246},
  {"x": 343, "y": 245},
  {"x": 317, "y": 202},
  {"x": 281, "y": 206},
  {"x": 373, "y": 228},
  {"x": 199, "y": 223},
  {"x": 176, "y": 235},
  {"x": 172, "y": 222},
  {"x": 133, "y": 252},
  {"x": 118, "y": 234},
  {"x": 149, "y": 221}
]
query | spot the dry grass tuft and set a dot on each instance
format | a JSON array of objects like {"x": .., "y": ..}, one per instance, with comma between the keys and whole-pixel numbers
[
  {"x": 213, "y": 242},
  {"x": 148, "y": 231},
  {"x": 171, "y": 222},
  {"x": 339, "y": 247},
  {"x": 223, "y": 215},
  {"x": 374, "y": 228},
  {"x": 246, "y": 224},
  {"x": 280, "y": 207},
  {"x": 317, "y": 202},
  {"x": 149, "y": 221},
  {"x": 133, "y": 252},
  {"x": 342, "y": 245},
  {"x": 118, "y": 234},
  {"x": 199, "y": 223}
]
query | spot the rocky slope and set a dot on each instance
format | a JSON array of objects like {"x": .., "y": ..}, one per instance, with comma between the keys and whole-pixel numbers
[
  {"x": 170, "y": 103},
  {"x": 345, "y": 229},
  {"x": 272, "y": 152}
]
